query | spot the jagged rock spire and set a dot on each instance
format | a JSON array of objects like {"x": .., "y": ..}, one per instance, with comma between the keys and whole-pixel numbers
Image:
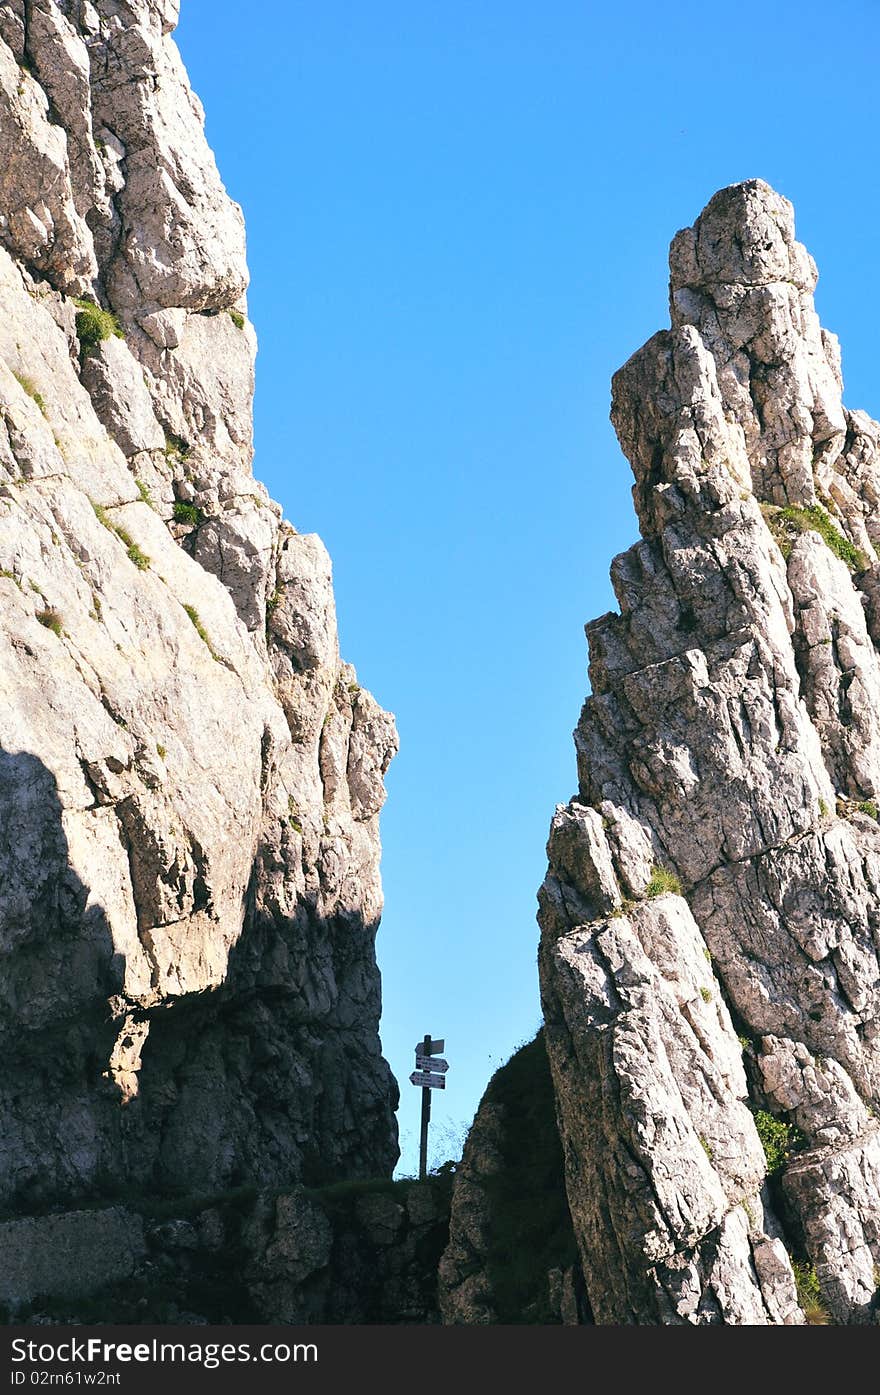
[{"x": 710, "y": 916}]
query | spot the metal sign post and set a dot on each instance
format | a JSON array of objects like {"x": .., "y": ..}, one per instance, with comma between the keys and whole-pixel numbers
[
  {"x": 428, "y": 1075},
  {"x": 426, "y": 1119}
]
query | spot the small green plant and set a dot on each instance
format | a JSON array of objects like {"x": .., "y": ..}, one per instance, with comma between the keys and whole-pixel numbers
[
  {"x": 778, "y": 1139},
  {"x": 707, "y": 954},
  {"x": 704, "y": 1144},
  {"x": 781, "y": 535},
  {"x": 140, "y": 559},
  {"x": 10, "y": 576},
  {"x": 27, "y": 385},
  {"x": 797, "y": 518},
  {"x": 662, "y": 880},
  {"x": 868, "y": 807},
  {"x": 187, "y": 513},
  {"x": 51, "y": 619},
  {"x": 806, "y": 1282},
  {"x": 237, "y": 318},
  {"x": 293, "y": 817},
  {"x": 162, "y": 752},
  {"x": 200, "y": 629},
  {"x": 135, "y": 555},
  {"x": 176, "y": 448},
  {"x": 823, "y": 808},
  {"x": 145, "y": 494},
  {"x": 743, "y": 1041},
  {"x": 706, "y": 994},
  {"x": 93, "y": 324},
  {"x": 354, "y": 688},
  {"x": 271, "y": 607}
]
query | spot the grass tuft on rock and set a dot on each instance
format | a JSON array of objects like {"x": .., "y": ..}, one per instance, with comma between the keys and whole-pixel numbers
[
  {"x": 778, "y": 1139},
  {"x": 134, "y": 553},
  {"x": 806, "y": 1282},
  {"x": 93, "y": 325},
  {"x": 662, "y": 881},
  {"x": 187, "y": 513},
  {"x": 145, "y": 494},
  {"x": 28, "y": 386},
  {"x": 51, "y": 619},
  {"x": 786, "y": 523},
  {"x": 139, "y": 558},
  {"x": 200, "y": 630},
  {"x": 176, "y": 448}
]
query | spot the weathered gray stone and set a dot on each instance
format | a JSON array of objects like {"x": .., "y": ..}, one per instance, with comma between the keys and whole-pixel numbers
[
  {"x": 294, "y": 1257},
  {"x": 190, "y": 777},
  {"x": 39, "y": 222},
  {"x": 115, "y": 383},
  {"x": 511, "y": 1253},
  {"x": 69, "y": 1255},
  {"x": 731, "y": 744}
]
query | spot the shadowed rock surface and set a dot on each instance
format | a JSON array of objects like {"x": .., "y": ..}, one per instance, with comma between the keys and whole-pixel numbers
[
  {"x": 512, "y": 1256},
  {"x": 190, "y": 777},
  {"x": 353, "y": 1252},
  {"x": 710, "y": 921}
]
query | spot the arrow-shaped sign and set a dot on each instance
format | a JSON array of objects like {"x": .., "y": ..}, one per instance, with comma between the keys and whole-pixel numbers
[
  {"x": 431, "y": 1063},
  {"x": 427, "y": 1081},
  {"x": 437, "y": 1046}
]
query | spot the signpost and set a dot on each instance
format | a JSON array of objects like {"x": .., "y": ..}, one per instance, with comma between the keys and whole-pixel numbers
[
  {"x": 429, "y": 1074},
  {"x": 427, "y": 1080},
  {"x": 434, "y": 1063}
]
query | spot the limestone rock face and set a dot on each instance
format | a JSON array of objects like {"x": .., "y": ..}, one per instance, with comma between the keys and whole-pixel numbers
[
  {"x": 190, "y": 776},
  {"x": 710, "y": 918}
]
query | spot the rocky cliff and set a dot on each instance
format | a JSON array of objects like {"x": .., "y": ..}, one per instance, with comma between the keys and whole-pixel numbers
[
  {"x": 511, "y": 1256},
  {"x": 352, "y": 1252},
  {"x": 190, "y": 777},
  {"x": 711, "y": 915}
]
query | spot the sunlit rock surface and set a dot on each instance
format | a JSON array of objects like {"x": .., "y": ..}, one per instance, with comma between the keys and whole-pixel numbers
[
  {"x": 190, "y": 776},
  {"x": 710, "y": 918}
]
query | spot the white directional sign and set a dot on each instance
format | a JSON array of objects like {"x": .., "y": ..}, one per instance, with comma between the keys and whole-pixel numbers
[
  {"x": 427, "y": 1081},
  {"x": 439, "y": 1045},
  {"x": 431, "y": 1063}
]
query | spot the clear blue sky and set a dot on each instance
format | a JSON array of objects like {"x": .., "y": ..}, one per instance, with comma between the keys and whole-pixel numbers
[{"x": 458, "y": 218}]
